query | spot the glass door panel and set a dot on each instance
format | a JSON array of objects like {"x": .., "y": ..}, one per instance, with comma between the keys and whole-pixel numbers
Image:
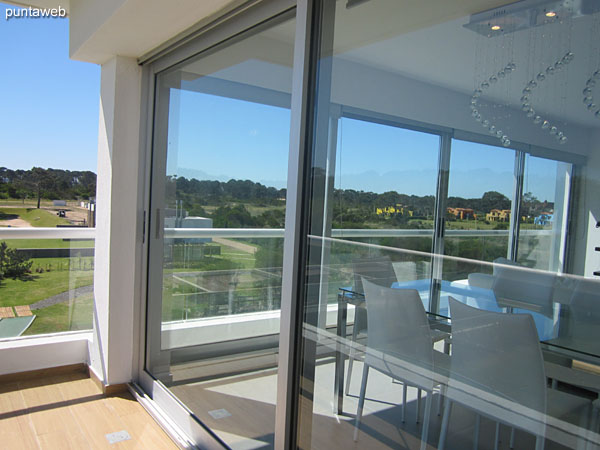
[
  {"x": 480, "y": 192},
  {"x": 478, "y": 215},
  {"x": 447, "y": 67},
  {"x": 544, "y": 212},
  {"x": 384, "y": 204},
  {"x": 221, "y": 145}
]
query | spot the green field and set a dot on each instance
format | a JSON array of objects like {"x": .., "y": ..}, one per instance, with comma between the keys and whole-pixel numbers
[
  {"x": 43, "y": 285},
  {"x": 64, "y": 317},
  {"x": 36, "y": 217},
  {"x": 48, "y": 243}
]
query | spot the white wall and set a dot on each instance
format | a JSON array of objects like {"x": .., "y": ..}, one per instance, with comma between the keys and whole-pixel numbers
[
  {"x": 586, "y": 214},
  {"x": 40, "y": 352},
  {"x": 118, "y": 230}
]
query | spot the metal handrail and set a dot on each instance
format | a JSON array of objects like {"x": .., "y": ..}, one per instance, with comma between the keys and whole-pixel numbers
[
  {"x": 47, "y": 233},
  {"x": 177, "y": 233},
  {"x": 198, "y": 233}
]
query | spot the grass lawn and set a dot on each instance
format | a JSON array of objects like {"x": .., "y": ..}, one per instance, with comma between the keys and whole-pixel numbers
[
  {"x": 68, "y": 316},
  {"x": 48, "y": 243},
  {"x": 36, "y": 217},
  {"x": 44, "y": 285}
]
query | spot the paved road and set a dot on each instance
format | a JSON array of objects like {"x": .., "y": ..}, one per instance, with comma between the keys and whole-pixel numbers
[
  {"x": 63, "y": 297},
  {"x": 237, "y": 245}
]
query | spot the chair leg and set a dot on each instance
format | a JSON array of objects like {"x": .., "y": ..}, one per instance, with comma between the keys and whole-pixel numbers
[
  {"x": 512, "y": 438},
  {"x": 497, "y": 436},
  {"x": 445, "y": 421},
  {"x": 539, "y": 443},
  {"x": 361, "y": 400},
  {"x": 441, "y": 399},
  {"x": 425, "y": 432},
  {"x": 351, "y": 358},
  {"x": 404, "y": 393},
  {"x": 418, "y": 416},
  {"x": 476, "y": 431}
]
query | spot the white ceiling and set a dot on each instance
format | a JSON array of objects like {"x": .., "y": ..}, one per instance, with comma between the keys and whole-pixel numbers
[{"x": 453, "y": 57}]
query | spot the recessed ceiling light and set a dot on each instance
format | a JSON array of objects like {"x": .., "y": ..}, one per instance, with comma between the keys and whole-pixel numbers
[
  {"x": 495, "y": 27},
  {"x": 551, "y": 14}
]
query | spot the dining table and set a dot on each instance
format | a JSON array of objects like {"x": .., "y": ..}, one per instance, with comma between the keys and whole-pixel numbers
[{"x": 561, "y": 336}]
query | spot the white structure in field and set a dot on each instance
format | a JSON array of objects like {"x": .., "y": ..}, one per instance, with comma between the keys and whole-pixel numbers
[{"x": 188, "y": 222}]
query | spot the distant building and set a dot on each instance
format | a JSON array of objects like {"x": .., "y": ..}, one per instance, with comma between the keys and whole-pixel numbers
[
  {"x": 59, "y": 202},
  {"x": 544, "y": 218},
  {"x": 498, "y": 215},
  {"x": 462, "y": 213},
  {"x": 394, "y": 210}
]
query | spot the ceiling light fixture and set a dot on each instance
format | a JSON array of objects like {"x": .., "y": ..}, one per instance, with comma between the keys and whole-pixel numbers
[
  {"x": 496, "y": 27},
  {"x": 526, "y": 14}
]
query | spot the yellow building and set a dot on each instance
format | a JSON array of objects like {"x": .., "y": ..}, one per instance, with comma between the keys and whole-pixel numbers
[{"x": 498, "y": 215}]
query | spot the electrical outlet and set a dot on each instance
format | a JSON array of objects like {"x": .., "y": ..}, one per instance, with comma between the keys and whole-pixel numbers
[{"x": 118, "y": 436}]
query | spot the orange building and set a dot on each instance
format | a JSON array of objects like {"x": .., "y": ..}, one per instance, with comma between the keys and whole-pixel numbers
[{"x": 462, "y": 213}]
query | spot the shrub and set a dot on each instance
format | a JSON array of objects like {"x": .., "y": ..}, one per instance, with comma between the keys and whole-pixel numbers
[{"x": 13, "y": 264}]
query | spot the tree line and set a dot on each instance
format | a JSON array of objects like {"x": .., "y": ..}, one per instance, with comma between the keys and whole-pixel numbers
[
  {"x": 351, "y": 208},
  {"x": 52, "y": 184}
]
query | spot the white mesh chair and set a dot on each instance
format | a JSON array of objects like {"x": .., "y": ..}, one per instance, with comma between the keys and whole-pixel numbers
[
  {"x": 377, "y": 270},
  {"x": 516, "y": 286},
  {"x": 497, "y": 370},
  {"x": 400, "y": 345}
]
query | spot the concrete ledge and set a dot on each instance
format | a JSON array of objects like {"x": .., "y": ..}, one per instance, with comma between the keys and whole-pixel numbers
[
  {"x": 33, "y": 353},
  {"x": 43, "y": 373},
  {"x": 209, "y": 330}
]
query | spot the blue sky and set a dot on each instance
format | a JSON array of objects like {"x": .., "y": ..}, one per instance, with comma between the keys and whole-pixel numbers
[
  {"x": 49, "y": 103},
  {"x": 220, "y": 138}
]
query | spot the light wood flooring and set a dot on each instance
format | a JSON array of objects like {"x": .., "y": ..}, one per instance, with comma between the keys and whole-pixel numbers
[{"x": 69, "y": 411}]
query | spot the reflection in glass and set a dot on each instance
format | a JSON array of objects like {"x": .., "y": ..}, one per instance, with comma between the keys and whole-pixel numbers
[
  {"x": 479, "y": 198},
  {"x": 503, "y": 145},
  {"x": 220, "y": 172},
  {"x": 544, "y": 211}
]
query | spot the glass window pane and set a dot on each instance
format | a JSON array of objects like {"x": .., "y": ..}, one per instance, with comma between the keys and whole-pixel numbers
[
  {"x": 479, "y": 206},
  {"x": 499, "y": 92},
  {"x": 219, "y": 191},
  {"x": 544, "y": 209}
]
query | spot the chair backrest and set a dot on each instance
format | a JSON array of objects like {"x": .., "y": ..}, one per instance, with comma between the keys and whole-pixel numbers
[
  {"x": 584, "y": 311},
  {"x": 377, "y": 270},
  {"x": 497, "y": 353},
  {"x": 532, "y": 289},
  {"x": 399, "y": 333}
]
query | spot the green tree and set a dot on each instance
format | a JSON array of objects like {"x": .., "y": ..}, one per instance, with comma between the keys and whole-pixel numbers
[{"x": 14, "y": 264}]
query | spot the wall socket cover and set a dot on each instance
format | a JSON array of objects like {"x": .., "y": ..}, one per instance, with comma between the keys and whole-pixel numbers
[
  {"x": 219, "y": 413},
  {"x": 118, "y": 436}
]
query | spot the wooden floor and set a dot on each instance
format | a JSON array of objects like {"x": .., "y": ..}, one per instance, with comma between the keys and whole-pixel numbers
[{"x": 70, "y": 412}]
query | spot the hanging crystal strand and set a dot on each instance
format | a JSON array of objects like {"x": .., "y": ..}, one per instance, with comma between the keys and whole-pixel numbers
[
  {"x": 593, "y": 82},
  {"x": 482, "y": 88},
  {"x": 541, "y": 78}
]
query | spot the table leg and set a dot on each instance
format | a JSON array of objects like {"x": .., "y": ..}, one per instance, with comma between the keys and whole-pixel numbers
[{"x": 342, "y": 317}]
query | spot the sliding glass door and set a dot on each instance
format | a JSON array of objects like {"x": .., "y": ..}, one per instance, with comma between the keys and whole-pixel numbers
[
  {"x": 431, "y": 166},
  {"x": 476, "y": 189},
  {"x": 221, "y": 142}
]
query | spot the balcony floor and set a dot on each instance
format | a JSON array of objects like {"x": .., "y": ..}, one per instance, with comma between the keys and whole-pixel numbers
[
  {"x": 70, "y": 412},
  {"x": 249, "y": 401}
]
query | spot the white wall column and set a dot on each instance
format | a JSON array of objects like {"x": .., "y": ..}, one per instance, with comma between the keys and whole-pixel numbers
[{"x": 118, "y": 231}]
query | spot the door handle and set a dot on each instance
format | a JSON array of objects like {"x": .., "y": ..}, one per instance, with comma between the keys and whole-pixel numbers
[{"x": 159, "y": 225}]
